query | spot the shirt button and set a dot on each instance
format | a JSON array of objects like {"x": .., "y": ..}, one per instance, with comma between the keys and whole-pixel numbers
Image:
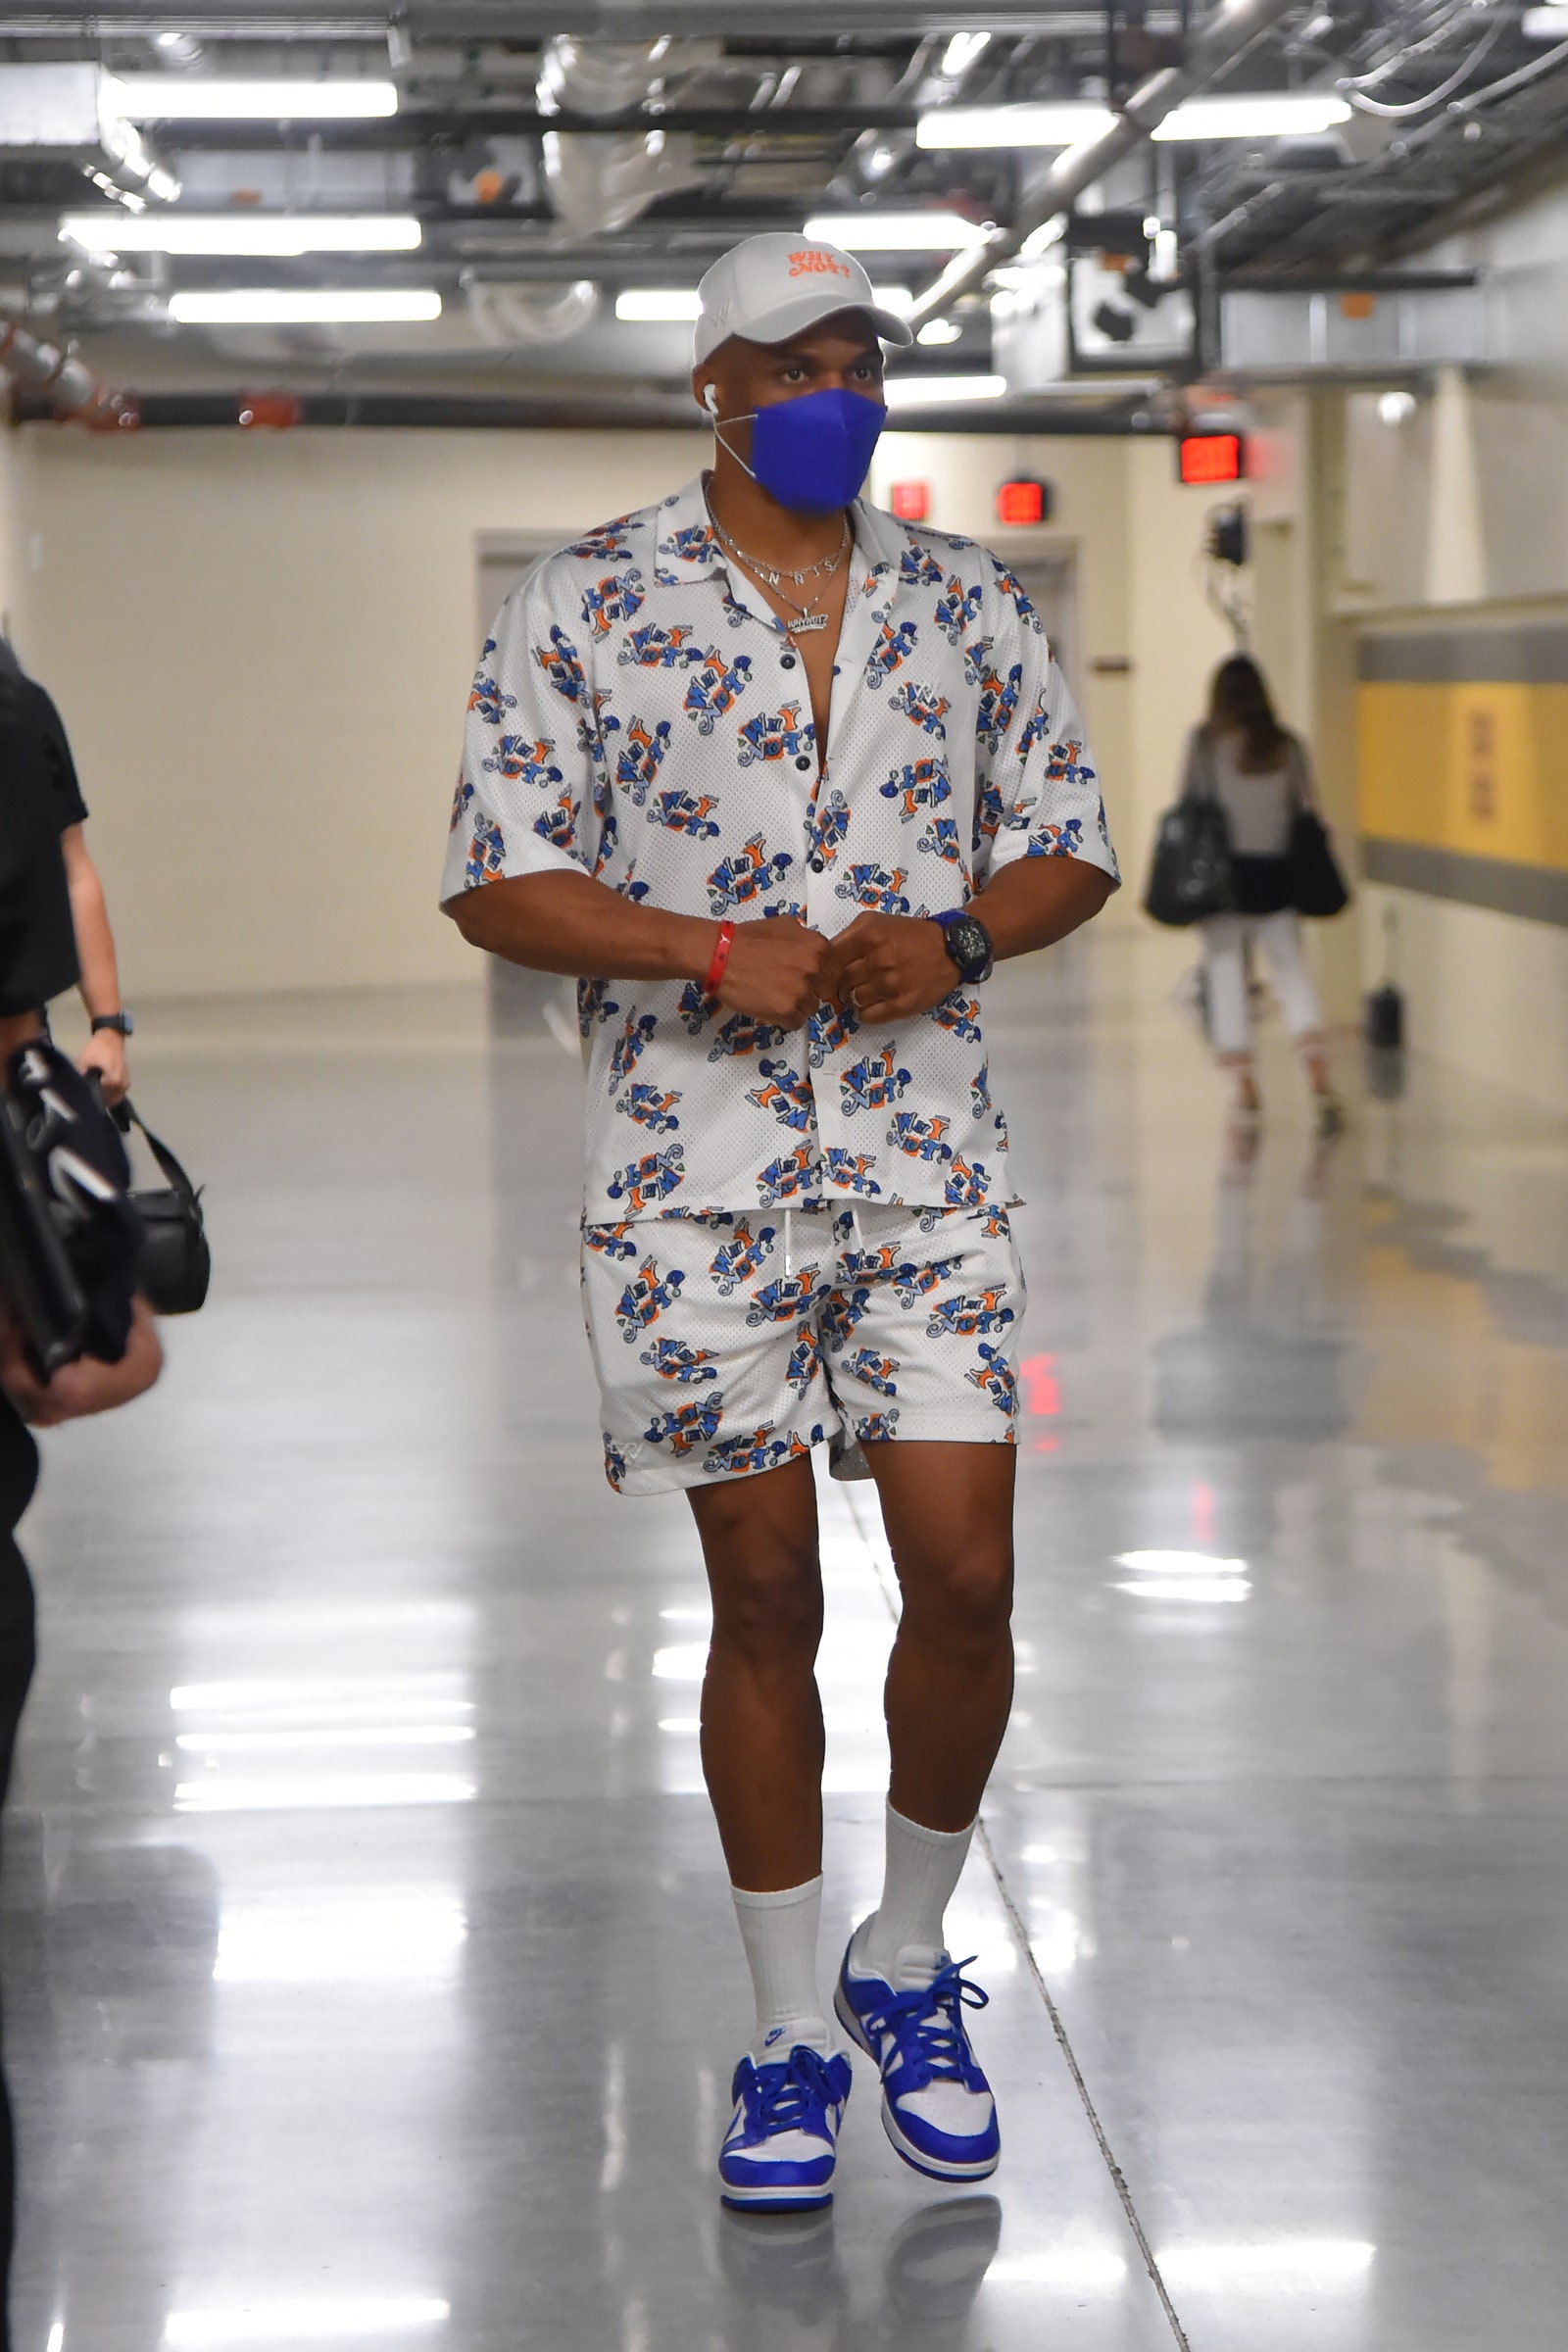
[
  {"x": 803, "y": 761},
  {"x": 786, "y": 661}
]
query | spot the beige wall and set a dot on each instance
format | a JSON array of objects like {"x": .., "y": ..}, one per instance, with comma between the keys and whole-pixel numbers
[
  {"x": 261, "y": 644},
  {"x": 1486, "y": 991},
  {"x": 1175, "y": 638}
]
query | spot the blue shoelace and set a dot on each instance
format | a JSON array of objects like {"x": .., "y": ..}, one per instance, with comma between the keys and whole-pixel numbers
[
  {"x": 781, "y": 2097},
  {"x": 927, "y": 2027}
]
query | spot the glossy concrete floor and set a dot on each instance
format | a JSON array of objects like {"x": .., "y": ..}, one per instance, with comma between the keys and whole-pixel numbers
[{"x": 371, "y": 1978}]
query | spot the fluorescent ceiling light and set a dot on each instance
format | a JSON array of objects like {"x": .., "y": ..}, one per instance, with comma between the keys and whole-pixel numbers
[
  {"x": 203, "y": 97},
  {"x": 1545, "y": 24},
  {"x": 896, "y": 232},
  {"x": 656, "y": 305},
  {"x": 668, "y": 305},
  {"x": 932, "y": 391},
  {"x": 244, "y": 232},
  {"x": 1070, "y": 122},
  {"x": 1066, "y": 122},
  {"x": 1257, "y": 115},
  {"x": 286, "y": 305}
]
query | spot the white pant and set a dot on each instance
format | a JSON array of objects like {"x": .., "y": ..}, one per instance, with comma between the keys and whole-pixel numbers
[{"x": 1225, "y": 971}]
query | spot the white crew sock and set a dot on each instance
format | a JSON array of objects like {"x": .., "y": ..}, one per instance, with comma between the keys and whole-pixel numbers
[
  {"x": 922, "y": 1870},
  {"x": 779, "y": 1931}
]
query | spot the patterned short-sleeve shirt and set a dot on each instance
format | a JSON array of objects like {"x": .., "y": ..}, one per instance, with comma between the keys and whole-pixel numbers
[{"x": 640, "y": 715}]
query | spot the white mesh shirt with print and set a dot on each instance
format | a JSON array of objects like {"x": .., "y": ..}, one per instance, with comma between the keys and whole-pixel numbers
[{"x": 640, "y": 715}]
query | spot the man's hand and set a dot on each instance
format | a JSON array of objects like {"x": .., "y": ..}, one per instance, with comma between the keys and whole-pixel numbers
[
  {"x": 778, "y": 971},
  {"x": 105, "y": 1052},
  {"x": 86, "y": 1387},
  {"x": 888, "y": 967}
]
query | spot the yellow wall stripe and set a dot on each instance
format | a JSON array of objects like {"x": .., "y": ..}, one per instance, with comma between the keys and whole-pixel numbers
[{"x": 1478, "y": 768}]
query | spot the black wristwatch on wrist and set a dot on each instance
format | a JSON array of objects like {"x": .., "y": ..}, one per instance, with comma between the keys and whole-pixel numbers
[
  {"x": 968, "y": 943},
  {"x": 121, "y": 1022}
]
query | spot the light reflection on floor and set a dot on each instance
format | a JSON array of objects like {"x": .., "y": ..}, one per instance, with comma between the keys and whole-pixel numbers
[{"x": 370, "y": 1976}]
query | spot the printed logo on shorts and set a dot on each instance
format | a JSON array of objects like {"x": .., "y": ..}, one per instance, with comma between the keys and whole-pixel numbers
[{"x": 644, "y": 1299}]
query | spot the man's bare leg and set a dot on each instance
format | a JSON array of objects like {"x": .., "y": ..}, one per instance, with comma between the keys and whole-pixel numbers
[
  {"x": 761, "y": 1715},
  {"x": 948, "y": 1511},
  {"x": 763, "y": 1736}
]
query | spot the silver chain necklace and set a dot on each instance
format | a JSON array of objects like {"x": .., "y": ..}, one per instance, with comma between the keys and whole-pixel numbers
[{"x": 772, "y": 576}]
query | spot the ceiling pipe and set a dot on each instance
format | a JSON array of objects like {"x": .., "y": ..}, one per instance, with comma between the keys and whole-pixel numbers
[
  {"x": 598, "y": 184},
  {"x": 1231, "y": 29},
  {"x": 56, "y": 376},
  {"x": 554, "y": 410}
]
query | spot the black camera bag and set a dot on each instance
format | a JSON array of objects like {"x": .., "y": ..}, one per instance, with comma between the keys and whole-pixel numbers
[{"x": 176, "y": 1263}]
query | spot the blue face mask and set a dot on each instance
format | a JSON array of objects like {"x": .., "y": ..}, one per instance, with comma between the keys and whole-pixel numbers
[{"x": 812, "y": 453}]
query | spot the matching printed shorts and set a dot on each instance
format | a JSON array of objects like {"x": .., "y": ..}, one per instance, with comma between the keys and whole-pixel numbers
[{"x": 726, "y": 1344}]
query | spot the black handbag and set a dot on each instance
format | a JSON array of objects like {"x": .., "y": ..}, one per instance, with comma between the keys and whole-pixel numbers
[
  {"x": 1189, "y": 876},
  {"x": 1317, "y": 885},
  {"x": 176, "y": 1263}
]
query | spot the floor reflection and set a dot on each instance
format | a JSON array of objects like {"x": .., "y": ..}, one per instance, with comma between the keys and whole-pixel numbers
[{"x": 369, "y": 1971}]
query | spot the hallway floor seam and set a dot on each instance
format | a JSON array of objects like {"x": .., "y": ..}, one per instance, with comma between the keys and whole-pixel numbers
[{"x": 1020, "y": 1937}]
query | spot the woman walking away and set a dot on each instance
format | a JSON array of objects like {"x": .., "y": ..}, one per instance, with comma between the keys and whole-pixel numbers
[{"x": 1257, "y": 771}]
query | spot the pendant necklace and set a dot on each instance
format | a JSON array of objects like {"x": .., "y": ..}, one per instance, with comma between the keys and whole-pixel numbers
[{"x": 806, "y": 616}]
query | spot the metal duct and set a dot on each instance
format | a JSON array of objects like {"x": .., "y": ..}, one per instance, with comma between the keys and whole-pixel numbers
[
  {"x": 1232, "y": 28},
  {"x": 530, "y": 314},
  {"x": 600, "y": 185},
  {"x": 63, "y": 114},
  {"x": 71, "y": 388},
  {"x": 1293, "y": 337}
]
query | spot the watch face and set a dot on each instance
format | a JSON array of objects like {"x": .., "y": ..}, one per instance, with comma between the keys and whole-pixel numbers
[{"x": 971, "y": 947}]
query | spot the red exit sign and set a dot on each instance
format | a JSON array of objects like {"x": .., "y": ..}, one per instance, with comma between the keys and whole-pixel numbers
[
  {"x": 911, "y": 501},
  {"x": 1212, "y": 458},
  {"x": 1023, "y": 502}
]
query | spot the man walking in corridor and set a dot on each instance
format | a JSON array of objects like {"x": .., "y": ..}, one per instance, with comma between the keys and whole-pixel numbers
[{"x": 778, "y": 778}]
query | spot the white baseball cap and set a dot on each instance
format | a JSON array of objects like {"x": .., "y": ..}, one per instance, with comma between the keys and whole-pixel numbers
[{"x": 771, "y": 287}]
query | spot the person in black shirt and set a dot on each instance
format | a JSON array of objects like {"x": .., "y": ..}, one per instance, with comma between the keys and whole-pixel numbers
[
  {"x": 99, "y": 973},
  {"x": 37, "y": 962}
]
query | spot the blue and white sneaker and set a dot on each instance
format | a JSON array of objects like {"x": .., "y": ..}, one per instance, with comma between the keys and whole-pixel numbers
[
  {"x": 780, "y": 2150},
  {"x": 937, "y": 2107}
]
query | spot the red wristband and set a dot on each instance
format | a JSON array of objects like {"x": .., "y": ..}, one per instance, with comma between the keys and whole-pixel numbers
[{"x": 715, "y": 970}]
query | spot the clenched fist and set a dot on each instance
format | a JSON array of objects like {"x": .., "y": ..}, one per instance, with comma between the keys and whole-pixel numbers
[
  {"x": 888, "y": 967},
  {"x": 778, "y": 971}
]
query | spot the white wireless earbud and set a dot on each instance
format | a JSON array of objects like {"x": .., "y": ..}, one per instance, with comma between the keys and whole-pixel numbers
[{"x": 711, "y": 399}]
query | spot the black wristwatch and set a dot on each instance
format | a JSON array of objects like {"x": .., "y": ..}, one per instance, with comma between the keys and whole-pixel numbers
[
  {"x": 118, "y": 1021},
  {"x": 968, "y": 943}
]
